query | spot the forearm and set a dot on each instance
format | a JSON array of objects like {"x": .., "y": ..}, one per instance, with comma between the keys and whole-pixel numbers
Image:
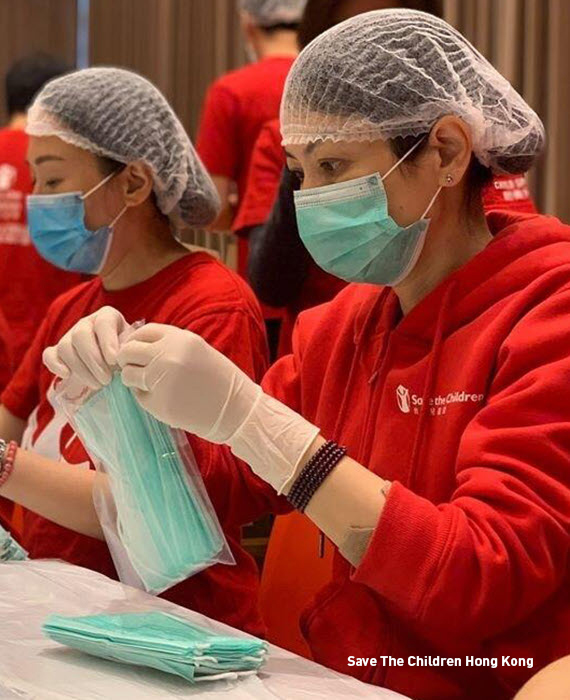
[
  {"x": 223, "y": 221},
  {"x": 349, "y": 502},
  {"x": 57, "y": 491}
]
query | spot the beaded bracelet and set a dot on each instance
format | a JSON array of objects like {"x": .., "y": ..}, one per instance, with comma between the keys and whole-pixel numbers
[
  {"x": 314, "y": 473},
  {"x": 7, "y": 464}
]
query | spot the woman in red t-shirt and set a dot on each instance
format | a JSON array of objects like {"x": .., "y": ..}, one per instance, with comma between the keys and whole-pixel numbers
[{"x": 111, "y": 189}]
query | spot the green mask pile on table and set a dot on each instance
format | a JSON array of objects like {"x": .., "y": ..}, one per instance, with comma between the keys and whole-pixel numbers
[
  {"x": 162, "y": 641},
  {"x": 10, "y": 550}
]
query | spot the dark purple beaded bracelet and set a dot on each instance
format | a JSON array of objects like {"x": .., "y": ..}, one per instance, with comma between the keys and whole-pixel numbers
[{"x": 314, "y": 473}]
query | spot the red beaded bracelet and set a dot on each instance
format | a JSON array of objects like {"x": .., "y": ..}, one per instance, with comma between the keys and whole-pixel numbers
[{"x": 7, "y": 466}]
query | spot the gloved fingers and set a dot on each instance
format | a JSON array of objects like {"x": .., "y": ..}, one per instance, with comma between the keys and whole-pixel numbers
[
  {"x": 88, "y": 351},
  {"x": 144, "y": 399},
  {"x": 137, "y": 352},
  {"x": 54, "y": 364},
  {"x": 67, "y": 355},
  {"x": 151, "y": 332},
  {"x": 134, "y": 377},
  {"x": 108, "y": 324},
  {"x": 147, "y": 400}
]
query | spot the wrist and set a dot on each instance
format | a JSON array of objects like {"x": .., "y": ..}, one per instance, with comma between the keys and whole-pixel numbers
[
  {"x": 311, "y": 451},
  {"x": 7, "y": 456},
  {"x": 274, "y": 440}
]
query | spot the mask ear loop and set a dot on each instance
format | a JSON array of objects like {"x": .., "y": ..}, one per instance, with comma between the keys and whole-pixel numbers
[
  {"x": 123, "y": 210},
  {"x": 431, "y": 203},
  {"x": 100, "y": 184},
  {"x": 403, "y": 158}
]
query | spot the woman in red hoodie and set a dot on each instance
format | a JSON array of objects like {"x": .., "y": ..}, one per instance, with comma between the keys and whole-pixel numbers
[{"x": 443, "y": 374}]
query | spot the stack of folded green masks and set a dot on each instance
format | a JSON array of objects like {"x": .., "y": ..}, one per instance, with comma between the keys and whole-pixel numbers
[
  {"x": 162, "y": 641},
  {"x": 10, "y": 550},
  {"x": 164, "y": 518}
]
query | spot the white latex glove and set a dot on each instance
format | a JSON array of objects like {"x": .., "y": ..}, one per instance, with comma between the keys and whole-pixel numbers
[
  {"x": 87, "y": 353},
  {"x": 184, "y": 382}
]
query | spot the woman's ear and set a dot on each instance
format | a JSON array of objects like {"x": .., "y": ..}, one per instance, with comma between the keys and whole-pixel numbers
[
  {"x": 451, "y": 136},
  {"x": 136, "y": 182}
]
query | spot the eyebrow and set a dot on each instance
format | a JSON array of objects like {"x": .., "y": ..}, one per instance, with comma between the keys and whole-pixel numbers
[
  {"x": 309, "y": 148},
  {"x": 44, "y": 159}
]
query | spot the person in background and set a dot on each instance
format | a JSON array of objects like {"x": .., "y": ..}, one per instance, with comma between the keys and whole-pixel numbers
[
  {"x": 422, "y": 421},
  {"x": 28, "y": 283},
  {"x": 240, "y": 102},
  {"x": 280, "y": 270},
  {"x": 115, "y": 179}
]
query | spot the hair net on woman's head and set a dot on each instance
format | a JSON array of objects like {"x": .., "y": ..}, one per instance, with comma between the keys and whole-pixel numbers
[
  {"x": 391, "y": 73},
  {"x": 120, "y": 115},
  {"x": 268, "y": 13}
]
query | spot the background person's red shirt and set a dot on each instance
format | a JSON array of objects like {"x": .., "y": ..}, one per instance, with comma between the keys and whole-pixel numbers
[
  {"x": 28, "y": 283},
  {"x": 200, "y": 294},
  {"x": 236, "y": 107}
]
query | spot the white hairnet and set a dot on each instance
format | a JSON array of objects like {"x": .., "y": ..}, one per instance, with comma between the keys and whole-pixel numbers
[
  {"x": 267, "y": 13},
  {"x": 391, "y": 73},
  {"x": 120, "y": 115}
]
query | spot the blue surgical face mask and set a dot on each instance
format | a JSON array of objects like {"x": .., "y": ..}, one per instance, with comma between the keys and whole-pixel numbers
[
  {"x": 347, "y": 230},
  {"x": 57, "y": 228}
]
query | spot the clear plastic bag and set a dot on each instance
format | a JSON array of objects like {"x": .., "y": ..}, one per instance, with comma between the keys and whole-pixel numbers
[{"x": 158, "y": 520}]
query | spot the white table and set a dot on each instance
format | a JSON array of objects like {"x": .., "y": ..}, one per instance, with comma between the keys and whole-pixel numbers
[{"x": 32, "y": 666}]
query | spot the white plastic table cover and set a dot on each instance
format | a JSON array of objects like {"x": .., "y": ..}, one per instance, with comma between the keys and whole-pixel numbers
[{"x": 32, "y": 666}]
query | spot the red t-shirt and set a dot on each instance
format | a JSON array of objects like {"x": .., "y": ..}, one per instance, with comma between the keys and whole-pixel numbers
[
  {"x": 236, "y": 107},
  {"x": 28, "y": 283},
  {"x": 268, "y": 160},
  {"x": 197, "y": 293}
]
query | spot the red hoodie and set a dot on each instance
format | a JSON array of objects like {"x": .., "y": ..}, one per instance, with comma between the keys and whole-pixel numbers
[{"x": 464, "y": 405}]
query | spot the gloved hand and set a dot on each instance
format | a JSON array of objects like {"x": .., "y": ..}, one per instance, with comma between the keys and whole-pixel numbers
[
  {"x": 88, "y": 352},
  {"x": 184, "y": 382}
]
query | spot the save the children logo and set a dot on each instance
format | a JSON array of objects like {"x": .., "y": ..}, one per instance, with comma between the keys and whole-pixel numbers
[
  {"x": 408, "y": 402},
  {"x": 403, "y": 396},
  {"x": 8, "y": 176}
]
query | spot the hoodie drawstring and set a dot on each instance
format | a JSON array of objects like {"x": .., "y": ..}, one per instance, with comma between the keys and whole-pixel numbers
[
  {"x": 354, "y": 364},
  {"x": 357, "y": 354},
  {"x": 429, "y": 384}
]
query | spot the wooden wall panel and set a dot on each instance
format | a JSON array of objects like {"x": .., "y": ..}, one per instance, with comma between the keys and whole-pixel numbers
[
  {"x": 181, "y": 45},
  {"x": 35, "y": 25}
]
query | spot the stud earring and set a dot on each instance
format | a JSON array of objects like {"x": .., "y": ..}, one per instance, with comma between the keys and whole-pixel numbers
[{"x": 449, "y": 179}]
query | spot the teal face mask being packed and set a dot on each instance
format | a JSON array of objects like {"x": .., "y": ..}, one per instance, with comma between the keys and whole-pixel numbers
[
  {"x": 160, "y": 524},
  {"x": 162, "y": 641},
  {"x": 57, "y": 228},
  {"x": 349, "y": 233}
]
